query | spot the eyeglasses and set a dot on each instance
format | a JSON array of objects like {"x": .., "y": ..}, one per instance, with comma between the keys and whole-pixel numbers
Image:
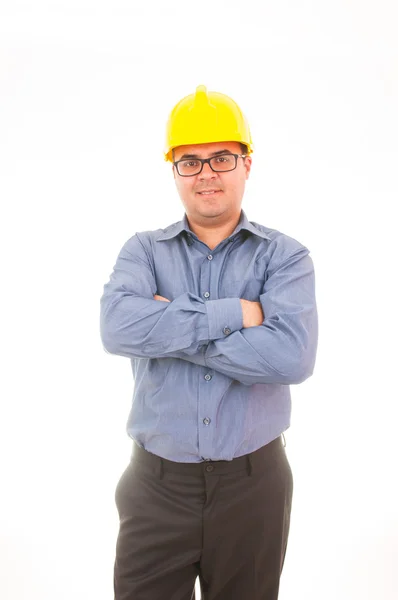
[{"x": 221, "y": 163}]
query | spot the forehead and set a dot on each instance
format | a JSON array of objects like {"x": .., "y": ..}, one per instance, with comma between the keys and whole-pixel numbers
[{"x": 206, "y": 150}]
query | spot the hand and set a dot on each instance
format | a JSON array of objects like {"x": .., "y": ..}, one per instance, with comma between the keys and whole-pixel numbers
[{"x": 252, "y": 313}]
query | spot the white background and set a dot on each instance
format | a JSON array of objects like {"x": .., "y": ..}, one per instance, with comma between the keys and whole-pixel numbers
[{"x": 85, "y": 91}]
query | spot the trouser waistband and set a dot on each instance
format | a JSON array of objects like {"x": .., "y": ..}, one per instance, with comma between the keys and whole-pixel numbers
[{"x": 251, "y": 461}]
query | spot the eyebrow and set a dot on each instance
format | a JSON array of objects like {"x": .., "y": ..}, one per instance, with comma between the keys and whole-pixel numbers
[{"x": 212, "y": 154}]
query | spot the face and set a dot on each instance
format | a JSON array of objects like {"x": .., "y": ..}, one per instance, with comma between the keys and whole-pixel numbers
[{"x": 211, "y": 197}]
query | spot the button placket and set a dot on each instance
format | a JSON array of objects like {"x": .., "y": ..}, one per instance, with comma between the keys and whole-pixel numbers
[
  {"x": 206, "y": 430},
  {"x": 207, "y": 294}
]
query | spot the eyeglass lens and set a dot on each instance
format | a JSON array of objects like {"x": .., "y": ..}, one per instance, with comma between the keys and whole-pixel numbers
[{"x": 191, "y": 166}]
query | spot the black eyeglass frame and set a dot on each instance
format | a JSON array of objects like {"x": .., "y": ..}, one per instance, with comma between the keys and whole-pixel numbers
[{"x": 207, "y": 160}]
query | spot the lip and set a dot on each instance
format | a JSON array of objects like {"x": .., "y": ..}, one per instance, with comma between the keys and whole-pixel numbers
[{"x": 209, "y": 192}]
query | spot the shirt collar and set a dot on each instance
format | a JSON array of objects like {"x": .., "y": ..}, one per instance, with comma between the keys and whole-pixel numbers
[{"x": 176, "y": 228}]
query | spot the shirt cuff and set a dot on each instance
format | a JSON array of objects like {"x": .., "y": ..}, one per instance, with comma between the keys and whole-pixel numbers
[{"x": 225, "y": 316}]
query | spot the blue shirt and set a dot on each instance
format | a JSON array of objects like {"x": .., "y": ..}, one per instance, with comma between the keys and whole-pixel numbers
[{"x": 205, "y": 387}]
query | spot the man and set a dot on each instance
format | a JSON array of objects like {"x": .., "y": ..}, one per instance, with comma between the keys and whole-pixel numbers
[{"x": 218, "y": 316}]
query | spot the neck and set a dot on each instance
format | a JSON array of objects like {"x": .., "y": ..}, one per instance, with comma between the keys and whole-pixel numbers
[{"x": 212, "y": 236}]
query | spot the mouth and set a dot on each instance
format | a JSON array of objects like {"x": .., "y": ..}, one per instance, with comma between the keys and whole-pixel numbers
[{"x": 209, "y": 192}]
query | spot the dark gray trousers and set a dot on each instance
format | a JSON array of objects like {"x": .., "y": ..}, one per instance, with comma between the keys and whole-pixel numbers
[{"x": 226, "y": 522}]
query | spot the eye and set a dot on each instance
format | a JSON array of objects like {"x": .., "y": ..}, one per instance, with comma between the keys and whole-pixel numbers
[
  {"x": 224, "y": 159},
  {"x": 189, "y": 164}
]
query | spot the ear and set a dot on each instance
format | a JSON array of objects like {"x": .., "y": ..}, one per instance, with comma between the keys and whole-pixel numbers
[{"x": 248, "y": 165}]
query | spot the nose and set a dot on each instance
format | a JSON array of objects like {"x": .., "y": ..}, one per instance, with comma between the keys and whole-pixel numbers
[{"x": 207, "y": 172}]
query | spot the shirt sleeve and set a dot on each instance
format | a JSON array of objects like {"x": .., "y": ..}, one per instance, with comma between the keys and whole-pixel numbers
[
  {"x": 134, "y": 324},
  {"x": 283, "y": 348}
]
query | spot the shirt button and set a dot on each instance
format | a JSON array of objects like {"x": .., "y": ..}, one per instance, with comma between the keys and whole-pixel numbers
[
  {"x": 226, "y": 330},
  {"x": 206, "y": 294},
  {"x": 207, "y": 421},
  {"x": 209, "y": 468},
  {"x": 207, "y": 377},
  {"x": 210, "y": 257}
]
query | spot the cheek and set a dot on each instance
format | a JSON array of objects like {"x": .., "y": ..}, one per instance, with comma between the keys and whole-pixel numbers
[
  {"x": 236, "y": 185},
  {"x": 184, "y": 188}
]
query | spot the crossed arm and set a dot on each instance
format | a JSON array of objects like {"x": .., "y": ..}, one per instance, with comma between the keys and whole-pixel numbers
[
  {"x": 270, "y": 341},
  {"x": 252, "y": 311}
]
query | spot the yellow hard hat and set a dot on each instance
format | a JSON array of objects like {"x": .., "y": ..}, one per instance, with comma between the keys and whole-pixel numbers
[{"x": 206, "y": 117}]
